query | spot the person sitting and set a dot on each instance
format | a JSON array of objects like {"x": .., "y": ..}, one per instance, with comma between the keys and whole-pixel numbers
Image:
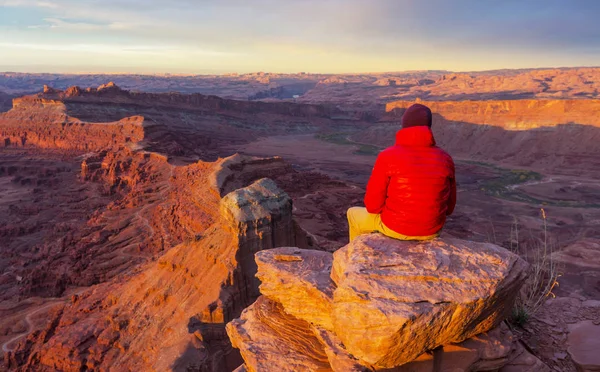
[{"x": 412, "y": 187}]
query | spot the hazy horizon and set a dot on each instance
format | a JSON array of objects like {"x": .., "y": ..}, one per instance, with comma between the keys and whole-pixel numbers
[
  {"x": 331, "y": 36},
  {"x": 228, "y": 73}
]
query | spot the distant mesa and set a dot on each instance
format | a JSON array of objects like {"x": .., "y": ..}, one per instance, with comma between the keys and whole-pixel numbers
[
  {"x": 73, "y": 91},
  {"x": 76, "y": 91},
  {"x": 108, "y": 86}
]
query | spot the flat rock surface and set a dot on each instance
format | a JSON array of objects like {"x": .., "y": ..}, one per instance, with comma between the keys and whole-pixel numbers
[
  {"x": 584, "y": 253},
  {"x": 397, "y": 299},
  {"x": 299, "y": 280},
  {"x": 584, "y": 345}
]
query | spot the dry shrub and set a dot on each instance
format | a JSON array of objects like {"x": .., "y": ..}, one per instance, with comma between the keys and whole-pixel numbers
[{"x": 543, "y": 276}]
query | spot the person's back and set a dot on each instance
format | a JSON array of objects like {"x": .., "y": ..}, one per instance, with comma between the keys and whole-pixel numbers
[{"x": 412, "y": 187}]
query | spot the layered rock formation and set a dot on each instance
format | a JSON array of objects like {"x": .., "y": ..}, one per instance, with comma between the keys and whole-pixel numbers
[
  {"x": 129, "y": 207},
  {"x": 360, "y": 90},
  {"x": 82, "y": 203},
  {"x": 379, "y": 303},
  {"x": 550, "y": 135},
  {"x": 349, "y": 90},
  {"x": 192, "y": 125},
  {"x": 44, "y": 123},
  {"x": 110, "y": 92},
  {"x": 511, "y": 115},
  {"x": 170, "y": 314}
]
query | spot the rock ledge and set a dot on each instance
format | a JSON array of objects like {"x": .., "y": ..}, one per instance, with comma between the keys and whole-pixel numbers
[{"x": 378, "y": 304}]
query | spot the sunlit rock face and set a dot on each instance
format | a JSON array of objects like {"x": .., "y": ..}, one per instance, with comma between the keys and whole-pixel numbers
[
  {"x": 554, "y": 135},
  {"x": 170, "y": 313},
  {"x": 512, "y": 114},
  {"x": 379, "y": 303},
  {"x": 407, "y": 298},
  {"x": 45, "y": 123},
  {"x": 299, "y": 280}
]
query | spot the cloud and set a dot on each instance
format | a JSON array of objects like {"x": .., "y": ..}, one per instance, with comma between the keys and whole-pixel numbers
[
  {"x": 115, "y": 49},
  {"x": 85, "y": 15},
  {"x": 26, "y": 3},
  {"x": 84, "y": 26},
  {"x": 400, "y": 32}
]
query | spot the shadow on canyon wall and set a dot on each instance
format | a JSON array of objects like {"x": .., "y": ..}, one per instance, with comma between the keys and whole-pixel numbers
[{"x": 566, "y": 148}]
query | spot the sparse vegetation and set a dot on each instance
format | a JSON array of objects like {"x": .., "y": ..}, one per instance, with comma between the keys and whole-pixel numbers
[
  {"x": 500, "y": 186},
  {"x": 519, "y": 316},
  {"x": 343, "y": 139},
  {"x": 504, "y": 185},
  {"x": 367, "y": 150},
  {"x": 337, "y": 138},
  {"x": 543, "y": 277}
]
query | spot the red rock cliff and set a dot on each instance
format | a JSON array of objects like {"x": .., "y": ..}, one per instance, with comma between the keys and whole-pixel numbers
[
  {"x": 512, "y": 114},
  {"x": 171, "y": 314}
]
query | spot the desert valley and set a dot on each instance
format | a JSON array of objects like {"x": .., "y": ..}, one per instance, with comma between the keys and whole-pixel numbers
[{"x": 131, "y": 208}]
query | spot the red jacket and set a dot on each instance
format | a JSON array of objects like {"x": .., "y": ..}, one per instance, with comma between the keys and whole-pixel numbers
[{"x": 413, "y": 184}]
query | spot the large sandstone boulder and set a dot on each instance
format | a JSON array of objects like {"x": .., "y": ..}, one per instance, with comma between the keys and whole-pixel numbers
[
  {"x": 380, "y": 303},
  {"x": 397, "y": 299},
  {"x": 299, "y": 280},
  {"x": 271, "y": 340}
]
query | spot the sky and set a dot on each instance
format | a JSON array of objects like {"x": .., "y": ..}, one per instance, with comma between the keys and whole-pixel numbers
[{"x": 327, "y": 36}]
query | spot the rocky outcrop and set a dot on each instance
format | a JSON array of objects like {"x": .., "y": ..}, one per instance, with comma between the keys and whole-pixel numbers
[
  {"x": 261, "y": 216},
  {"x": 192, "y": 126},
  {"x": 408, "y": 298},
  {"x": 380, "y": 303},
  {"x": 265, "y": 332},
  {"x": 44, "y": 123},
  {"x": 299, "y": 280},
  {"x": 513, "y": 114},
  {"x": 171, "y": 313},
  {"x": 271, "y": 340},
  {"x": 110, "y": 92},
  {"x": 235, "y": 171}
]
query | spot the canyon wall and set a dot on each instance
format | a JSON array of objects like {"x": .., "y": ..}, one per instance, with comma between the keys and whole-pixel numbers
[
  {"x": 44, "y": 123},
  {"x": 171, "y": 313},
  {"x": 557, "y": 135},
  {"x": 521, "y": 114},
  {"x": 167, "y": 249},
  {"x": 112, "y": 93},
  {"x": 193, "y": 126}
]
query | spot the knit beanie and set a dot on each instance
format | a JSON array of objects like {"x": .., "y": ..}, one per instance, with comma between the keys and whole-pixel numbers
[{"x": 416, "y": 115}]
